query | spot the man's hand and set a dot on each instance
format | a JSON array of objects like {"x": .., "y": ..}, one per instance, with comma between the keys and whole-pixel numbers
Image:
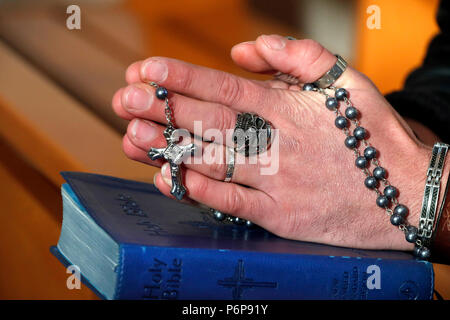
[{"x": 318, "y": 193}]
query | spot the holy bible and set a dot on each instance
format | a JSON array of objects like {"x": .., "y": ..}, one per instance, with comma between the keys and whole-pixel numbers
[{"x": 131, "y": 242}]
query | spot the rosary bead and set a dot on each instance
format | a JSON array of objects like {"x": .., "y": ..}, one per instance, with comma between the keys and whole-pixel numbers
[
  {"x": 308, "y": 87},
  {"x": 340, "y": 94},
  {"x": 370, "y": 152},
  {"x": 351, "y": 112},
  {"x": 219, "y": 216},
  {"x": 238, "y": 221},
  {"x": 161, "y": 93},
  {"x": 424, "y": 253},
  {"x": 331, "y": 103},
  {"x": 361, "y": 162},
  {"x": 390, "y": 192},
  {"x": 351, "y": 142},
  {"x": 411, "y": 234},
  {"x": 341, "y": 122},
  {"x": 401, "y": 210},
  {"x": 382, "y": 201},
  {"x": 416, "y": 251},
  {"x": 379, "y": 173},
  {"x": 359, "y": 133},
  {"x": 397, "y": 219},
  {"x": 371, "y": 182}
]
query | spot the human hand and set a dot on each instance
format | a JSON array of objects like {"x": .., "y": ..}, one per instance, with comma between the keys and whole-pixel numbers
[{"x": 318, "y": 193}]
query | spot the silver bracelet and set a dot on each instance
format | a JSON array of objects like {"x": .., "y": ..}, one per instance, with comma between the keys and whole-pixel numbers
[{"x": 431, "y": 192}]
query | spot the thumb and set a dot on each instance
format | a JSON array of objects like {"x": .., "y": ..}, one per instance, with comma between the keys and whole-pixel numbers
[{"x": 305, "y": 59}]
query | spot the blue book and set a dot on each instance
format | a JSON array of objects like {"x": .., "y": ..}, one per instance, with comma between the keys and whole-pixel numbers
[{"x": 131, "y": 242}]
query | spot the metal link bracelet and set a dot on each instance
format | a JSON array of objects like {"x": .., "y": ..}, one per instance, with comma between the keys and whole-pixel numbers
[{"x": 431, "y": 192}]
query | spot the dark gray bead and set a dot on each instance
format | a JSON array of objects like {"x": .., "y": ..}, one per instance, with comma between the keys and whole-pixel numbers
[
  {"x": 341, "y": 122},
  {"x": 340, "y": 94},
  {"x": 359, "y": 133},
  {"x": 238, "y": 221},
  {"x": 308, "y": 87},
  {"x": 331, "y": 103},
  {"x": 371, "y": 182},
  {"x": 416, "y": 251},
  {"x": 351, "y": 142},
  {"x": 390, "y": 192},
  {"x": 370, "y": 153},
  {"x": 379, "y": 173},
  {"x": 161, "y": 93},
  {"x": 382, "y": 201},
  {"x": 219, "y": 216},
  {"x": 411, "y": 234},
  {"x": 351, "y": 112},
  {"x": 424, "y": 253},
  {"x": 401, "y": 210},
  {"x": 397, "y": 220},
  {"x": 361, "y": 162}
]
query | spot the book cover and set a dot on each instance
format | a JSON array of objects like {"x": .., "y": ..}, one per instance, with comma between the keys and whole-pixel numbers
[{"x": 131, "y": 242}]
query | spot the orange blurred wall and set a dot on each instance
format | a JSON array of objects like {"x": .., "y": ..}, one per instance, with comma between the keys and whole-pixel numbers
[{"x": 388, "y": 54}]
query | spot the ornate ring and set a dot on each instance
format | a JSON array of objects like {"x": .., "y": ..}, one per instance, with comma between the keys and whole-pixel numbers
[
  {"x": 230, "y": 164},
  {"x": 333, "y": 74},
  {"x": 252, "y": 134}
]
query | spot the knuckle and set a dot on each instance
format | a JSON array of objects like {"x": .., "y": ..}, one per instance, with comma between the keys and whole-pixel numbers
[
  {"x": 223, "y": 119},
  {"x": 200, "y": 188},
  {"x": 185, "y": 82},
  {"x": 234, "y": 200},
  {"x": 230, "y": 89},
  {"x": 217, "y": 170}
]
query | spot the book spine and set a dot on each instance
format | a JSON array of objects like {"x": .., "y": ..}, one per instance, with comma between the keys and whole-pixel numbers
[{"x": 155, "y": 273}]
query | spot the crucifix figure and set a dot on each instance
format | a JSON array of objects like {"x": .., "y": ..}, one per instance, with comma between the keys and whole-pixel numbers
[{"x": 174, "y": 154}]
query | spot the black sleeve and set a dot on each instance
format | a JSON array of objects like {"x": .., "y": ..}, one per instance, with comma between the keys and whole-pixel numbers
[{"x": 426, "y": 93}]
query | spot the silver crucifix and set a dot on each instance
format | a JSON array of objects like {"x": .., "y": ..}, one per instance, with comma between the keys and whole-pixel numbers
[{"x": 174, "y": 154}]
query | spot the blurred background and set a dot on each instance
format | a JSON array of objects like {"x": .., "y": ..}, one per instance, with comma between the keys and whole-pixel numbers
[{"x": 56, "y": 86}]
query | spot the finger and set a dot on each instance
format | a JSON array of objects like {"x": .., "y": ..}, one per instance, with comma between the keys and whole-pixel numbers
[
  {"x": 134, "y": 153},
  {"x": 210, "y": 120},
  {"x": 132, "y": 73},
  {"x": 247, "y": 57},
  {"x": 164, "y": 188},
  {"x": 117, "y": 105},
  {"x": 246, "y": 203},
  {"x": 306, "y": 59},
  {"x": 208, "y": 84},
  {"x": 143, "y": 135}
]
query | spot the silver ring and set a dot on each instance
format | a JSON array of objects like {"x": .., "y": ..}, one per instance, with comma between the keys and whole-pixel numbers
[
  {"x": 230, "y": 157},
  {"x": 252, "y": 134},
  {"x": 333, "y": 74}
]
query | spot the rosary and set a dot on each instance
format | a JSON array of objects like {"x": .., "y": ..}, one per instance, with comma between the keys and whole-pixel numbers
[{"x": 173, "y": 153}]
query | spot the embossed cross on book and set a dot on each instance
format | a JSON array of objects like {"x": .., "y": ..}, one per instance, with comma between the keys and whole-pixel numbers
[{"x": 174, "y": 154}]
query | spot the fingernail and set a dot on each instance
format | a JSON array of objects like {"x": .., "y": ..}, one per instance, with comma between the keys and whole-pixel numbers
[
  {"x": 137, "y": 98},
  {"x": 154, "y": 179},
  {"x": 165, "y": 171},
  {"x": 143, "y": 130},
  {"x": 155, "y": 71},
  {"x": 274, "y": 42}
]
